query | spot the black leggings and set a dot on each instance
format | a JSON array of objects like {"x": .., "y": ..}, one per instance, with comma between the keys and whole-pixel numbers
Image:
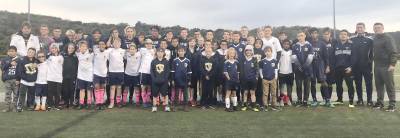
[
  {"x": 54, "y": 92},
  {"x": 68, "y": 90}
]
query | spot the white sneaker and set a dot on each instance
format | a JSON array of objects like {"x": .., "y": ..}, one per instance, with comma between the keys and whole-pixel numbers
[
  {"x": 351, "y": 105},
  {"x": 154, "y": 109},
  {"x": 167, "y": 109}
]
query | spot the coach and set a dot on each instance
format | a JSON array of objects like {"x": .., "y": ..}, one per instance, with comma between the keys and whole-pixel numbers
[{"x": 385, "y": 58}]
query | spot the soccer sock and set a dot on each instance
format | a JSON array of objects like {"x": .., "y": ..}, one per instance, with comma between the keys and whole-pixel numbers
[
  {"x": 137, "y": 96},
  {"x": 44, "y": 100},
  {"x": 173, "y": 92},
  {"x": 227, "y": 103},
  {"x": 37, "y": 100},
  {"x": 143, "y": 93},
  {"x": 81, "y": 100},
  {"x": 234, "y": 101},
  {"x": 89, "y": 99},
  {"x": 118, "y": 99},
  {"x": 148, "y": 93},
  {"x": 125, "y": 96}
]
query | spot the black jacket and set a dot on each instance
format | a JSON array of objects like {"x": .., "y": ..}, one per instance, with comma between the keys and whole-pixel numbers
[
  {"x": 160, "y": 71},
  {"x": 9, "y": 71},
  {"x": 26, "y": 69},
  {"x": 70, "y": 66}
]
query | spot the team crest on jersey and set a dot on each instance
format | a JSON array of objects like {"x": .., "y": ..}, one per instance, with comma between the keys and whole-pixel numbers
[
  {"x": 252, "y": 65},
  {"x": 186, "y": 64},
  {"x": 306, "y": 49},
  {"x": 258, "y": 57},
  {"x": 328, "y": 45},
  {"x": 273, "y": 64},
  {"x": 30, "y": 69},
  {"x": 240, "y": 49},
  {"x": 208, "y": 66},
  {"x": 160, "y": 68}
]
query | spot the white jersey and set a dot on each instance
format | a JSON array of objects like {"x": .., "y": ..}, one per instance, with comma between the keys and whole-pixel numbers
[
  {"x": 100, "y": 63},
  {"x": 274, "y": 43},
  {"x": 85, "y": 66},
  {"x": 133, "y": 64},
  {"x": 22, "y": 47},
  {"x": 147, "y": 57},
  {"x": 285, "y": 62},
  {"x": 116, "y": 60},
  {"x": 167, "y": 54},
  {"x": 55, "y": 65},
  {"x": 42, "y": 73}
]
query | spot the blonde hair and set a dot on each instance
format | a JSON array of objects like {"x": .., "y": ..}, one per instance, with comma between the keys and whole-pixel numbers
[
  {"x": 231, "y": 50},
  {"x": 130, "y": 27},
  {"x": 70, "y": 31}
]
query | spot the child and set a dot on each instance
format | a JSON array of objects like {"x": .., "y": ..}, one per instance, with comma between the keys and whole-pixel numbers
[
  {"x": 191, "y": 54},
  {"x": 302, "y": 56},
  {"x": 330, "y": 75},
  {"x": 208, "y": 71},
  {"x": 147, "y": 54},
  {"x": 132, "y": 78},
  {"x": 116, "y": 73},
  {"x": 27, "y": 72},
  {"x": 101, "y": 56},
  {"x": 41, "y": 82},
  {"x": 345, "y": 58},
  {"x": 249, "y": 76},
  {"x": 70, "y": 70},
  {"x": 286, "y": 74},
  {"x": 160, "y": 72},
  {"x": 54, "y": 76},
  {"x": 181, "y": 73},
  {"x": 269, "y": 74},
  {"x": 231, "y": 73},
  {"x": 259, "y": 55},
  {"x": 220, "y": 75},
  {"x": 85, "y": 74},
  {"x": 9, "y": 75}
]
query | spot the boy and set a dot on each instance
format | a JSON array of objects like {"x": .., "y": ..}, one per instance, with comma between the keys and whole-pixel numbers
[
  {"x": 160, "y": 72},
  {"x": 269, "y": 74},
  {"x": 249, "y": 75},
  {"x": 302, "y": 56},
  {"x": 100, "y": 70},
  {"x": 330, "y": 75},
  {"x": 27, "y": 72},
  {"x": 85, "y": 74},
  {"x": 345, "y": 58},
  {"x": 191, "y": 54},
  {"x": 147, "y": 54},
  {"x": 285, "y": 74},
  {"x": 208, "y": 71},
  {"x": 41, "y": 82},
  {"x": 223, "y": 44},
  {"x": 181, "y": 73},
  {"x": 70, "y": 70},
  {"x": 9, "y": 75},
  {"x": 54, "y": 76},
  {"x": 116, "y": 73},
  {"x": 132, "y": 78}
]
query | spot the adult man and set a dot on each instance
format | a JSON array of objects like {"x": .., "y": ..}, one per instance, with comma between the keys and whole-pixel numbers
[
  {"x": 23, "y": 40},
  {"x": 385, "y": 58}
]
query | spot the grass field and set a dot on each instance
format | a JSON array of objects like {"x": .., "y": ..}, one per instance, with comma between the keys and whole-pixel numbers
[{"x": 139, "y": 123}]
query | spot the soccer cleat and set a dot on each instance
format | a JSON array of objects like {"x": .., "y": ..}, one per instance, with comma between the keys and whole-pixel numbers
[
  {"x": 329, "y": 104},
  {"x": 167, "y": 109},
  {"x": 43, "y": 107},
  {"x": 351, "y": 105},
  {"x": 273, "y": 108},
  {"x": 244, "y": 108},
  {"x": 360, "y": 103},
  {"x": 37, "y": 107},
  {"x": 314, "y": 103},
  {"x": 390, "y": 108},
  {"x": 111, "y": 106},
  {"x": 377, "y": 106},
  {"x": 338, "y": 102},
  {"x": 323, "y": 103},
  {"x": 154, "y": 109},
  {"x": 256, "y": 109},
  {"x": 281, "y": 104},
  {"x": 203, "y": 107},
  {"x": 370, "y": 103}
]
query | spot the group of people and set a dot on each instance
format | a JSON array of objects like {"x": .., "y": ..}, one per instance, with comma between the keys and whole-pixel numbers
[{"x": 239, "y": 72}]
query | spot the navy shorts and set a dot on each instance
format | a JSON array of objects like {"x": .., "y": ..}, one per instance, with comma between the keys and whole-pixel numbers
[
  {"x": 157, "y": 89},
  {"x": 145, "y": 79},
  {"x": 116, "y": 78},
  {"x": 249, "y": 84},
  {"x": 82, "y": 84},
  {"x": 131, "y": 80},
  {"x": 40, "y": 89},
  {"x": 99, "y": 80},
  {"x": 231, "y": 85}
]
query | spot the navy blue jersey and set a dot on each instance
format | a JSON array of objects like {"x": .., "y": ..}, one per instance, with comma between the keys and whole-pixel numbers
[
  {"x": 183, "y": 42},
  {"x": 181, "y": 71},
  {"x": 9, "y": 71},
  {"x": 259, "y": 54},
  {"x": 128, "y": 42},
  {"x": 344, "y": 55},
  {"x": 208, "y": 66},
  {"x": 156, "y": 41},
  {"x": 302, "y": 56},
  {"x": 239, "y": 50},
  {"x": 249, "y": 69},
  {"x": 232, "y": 69},
  {"x": 319, "y": 60},
  {"x": 330, "y": 52},
  {"x": 268, "y": 68},
  {"x": 160, "y": 71}
]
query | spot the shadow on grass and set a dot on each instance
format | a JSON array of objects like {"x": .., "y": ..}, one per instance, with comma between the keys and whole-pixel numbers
[{"x": 68, "y": 125}]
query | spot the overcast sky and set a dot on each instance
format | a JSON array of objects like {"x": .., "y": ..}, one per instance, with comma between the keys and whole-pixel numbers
[{"x": 213, "y": 14}]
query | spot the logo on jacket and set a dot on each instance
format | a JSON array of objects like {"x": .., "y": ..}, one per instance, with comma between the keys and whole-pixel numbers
[
  {"x": 160, "y": 68},
  {"x": 208, "y": 66},
  {"x": 30, "y": 68}
]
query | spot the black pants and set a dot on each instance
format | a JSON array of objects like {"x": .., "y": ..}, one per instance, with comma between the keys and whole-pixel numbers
[
  {"x": 340, "y": 75},
  {"x": 207, "y": 92},
  {"x": 54, "y": 92},
  {"x": 259, "y": 91},
  {"x": 302, "y": 81},
  {"x": 358, "y": 77},
  {"x": 68, "y": 90}
]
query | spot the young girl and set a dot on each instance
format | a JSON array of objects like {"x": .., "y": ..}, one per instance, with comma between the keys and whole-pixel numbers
[
  {"x": 54, "y": 76},
  {"x": 85, "y": 74},
  {"x": 249, "y": 76},
  {"x": 70, "y": 70},
  {"x": 132, "y": 78},
  {"x": 269, "y": 74},
  {"x": 231, "y": 73},
  {"x": 41, "y": 83},
  {"x": 181, "y": 73},
  {"x": 116, "y": 72},
  {"x": 101, "y": 56},
  {"x": 160, "y": 72},
  {"x": 286, "y": 74},
  {"x": 208, "y": 71},
  {"x": 147, "y": 54}
]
